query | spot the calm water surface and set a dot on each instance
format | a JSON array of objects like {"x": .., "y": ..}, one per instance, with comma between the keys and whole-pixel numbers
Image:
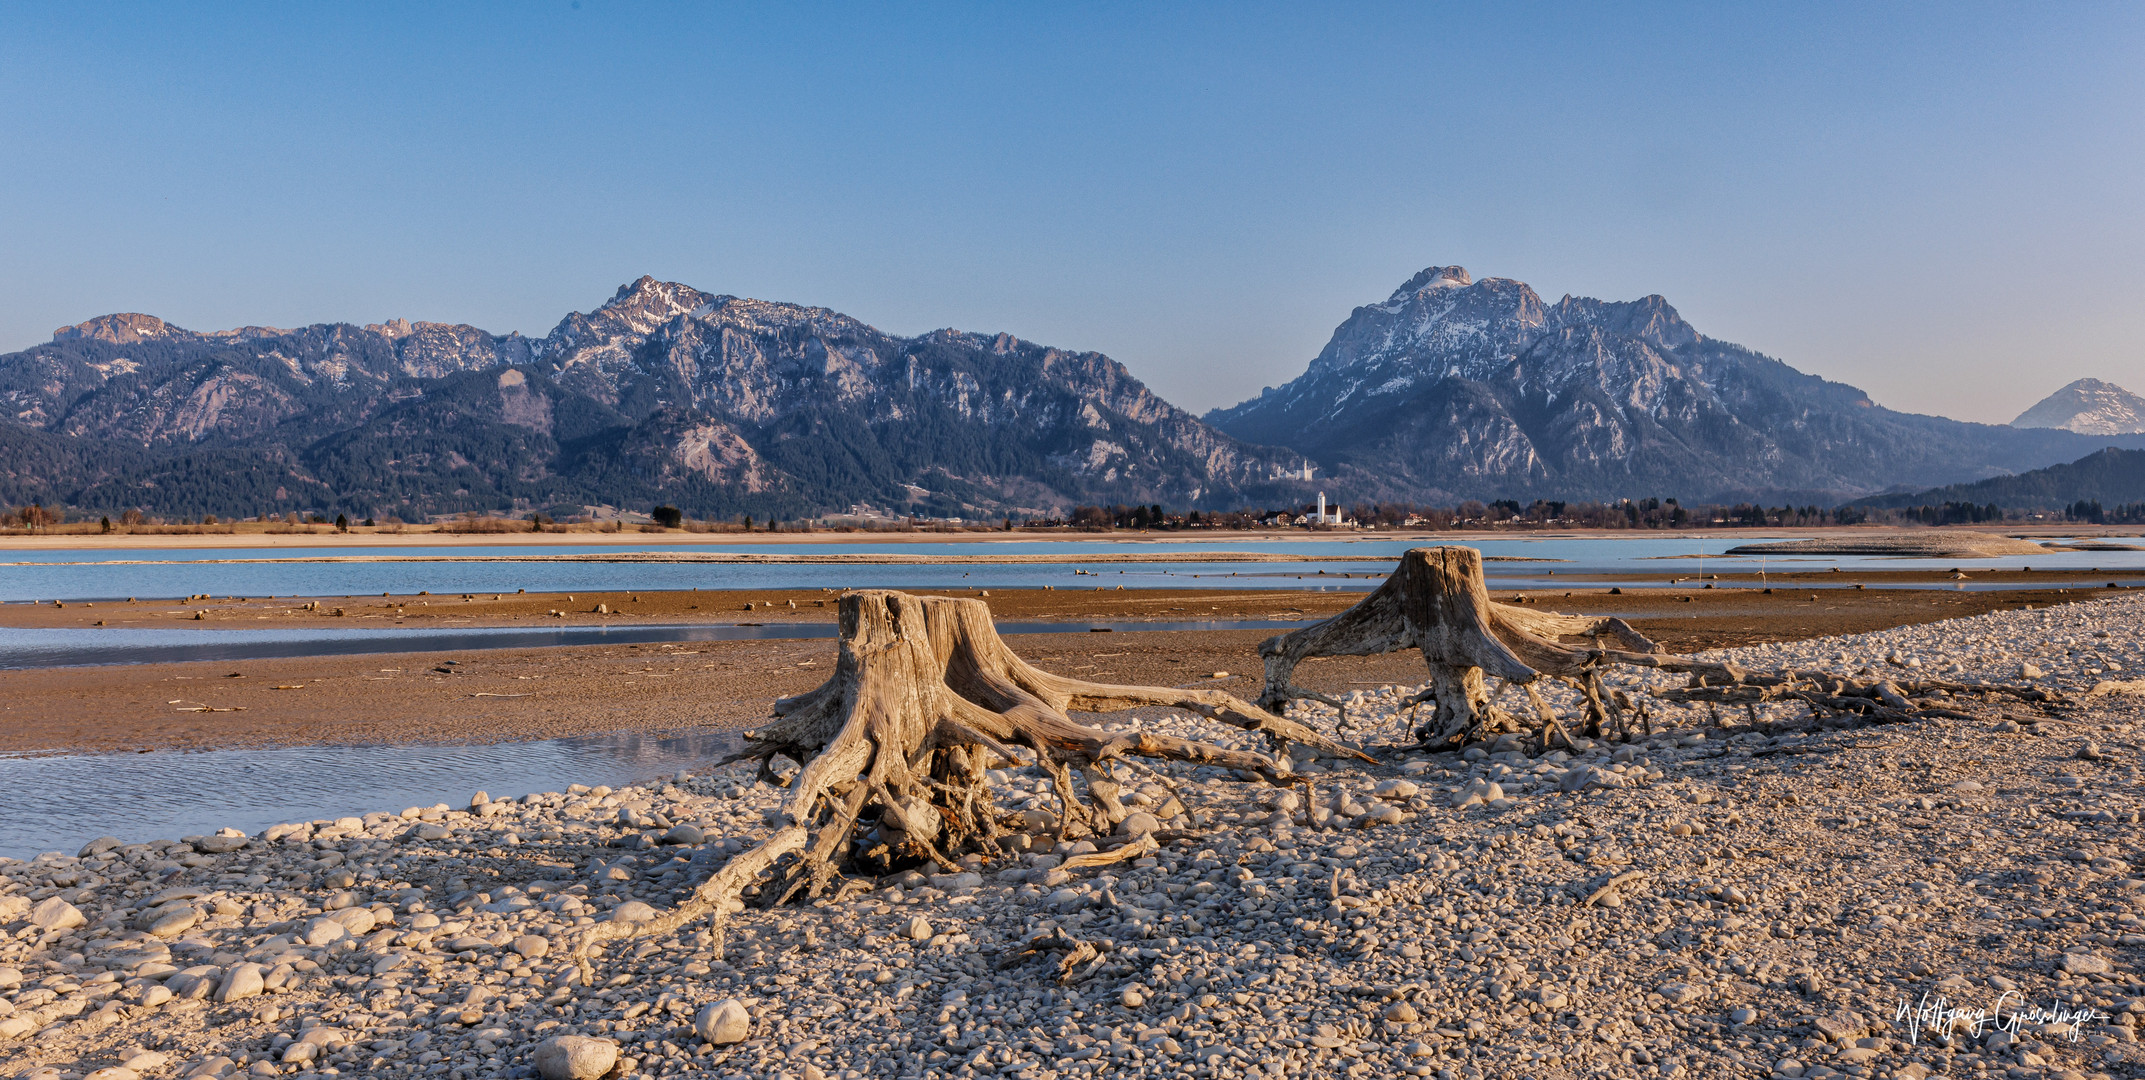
[
  {"x": 78, "y": 647},
  {"x": 102, "y": 573},
  {"x": 61, "y": 803}
]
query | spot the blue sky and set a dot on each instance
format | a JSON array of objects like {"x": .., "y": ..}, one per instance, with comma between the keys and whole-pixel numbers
[{"x": 1939, "y": 203}]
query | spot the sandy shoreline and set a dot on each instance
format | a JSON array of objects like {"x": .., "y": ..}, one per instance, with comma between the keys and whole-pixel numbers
[{"x": 565, "y": 691}]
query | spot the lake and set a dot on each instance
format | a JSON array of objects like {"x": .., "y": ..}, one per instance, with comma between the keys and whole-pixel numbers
[{"x": 109, "y": 574}]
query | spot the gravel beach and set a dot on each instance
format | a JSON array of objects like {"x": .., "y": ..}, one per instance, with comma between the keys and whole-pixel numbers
[{"x": 1705, "y": 902}]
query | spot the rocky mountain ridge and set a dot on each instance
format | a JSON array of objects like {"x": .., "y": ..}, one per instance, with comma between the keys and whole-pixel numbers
[
  {"x": 663, "y": 393},
  {"x": 1457, "y": 388}
]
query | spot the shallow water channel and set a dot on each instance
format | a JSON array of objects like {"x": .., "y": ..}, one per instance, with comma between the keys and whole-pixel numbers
[
  {"x": 73, "y": 647},
  {"x": 61, "y": 803}
]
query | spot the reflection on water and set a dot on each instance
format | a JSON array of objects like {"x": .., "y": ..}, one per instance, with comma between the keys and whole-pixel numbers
[
  {"x": 61, "y": 803},
  {"x": 76, "y": 647}
]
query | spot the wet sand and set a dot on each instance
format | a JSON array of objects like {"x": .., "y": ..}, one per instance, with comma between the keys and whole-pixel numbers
[
  {"x": 1312, "y": 596},
  {"x": 519, "y": 694}
]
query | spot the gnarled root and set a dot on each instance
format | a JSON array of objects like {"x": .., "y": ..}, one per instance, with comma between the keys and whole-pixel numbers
[
  {"x": 895, "y": 744},
  {"x": 1437, "y": 602}
]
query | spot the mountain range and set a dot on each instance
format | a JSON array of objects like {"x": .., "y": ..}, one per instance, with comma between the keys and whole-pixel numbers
[
  {"x": 2089, "y": 407},
  {"x": 1456, "y": 388},
  {"x": 1450, "y": 389},
  {"x": 717, "y": 404}
]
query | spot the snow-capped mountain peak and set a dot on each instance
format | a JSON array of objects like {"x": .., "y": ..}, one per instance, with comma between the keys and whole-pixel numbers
[{"x": 2089, "y": 407}]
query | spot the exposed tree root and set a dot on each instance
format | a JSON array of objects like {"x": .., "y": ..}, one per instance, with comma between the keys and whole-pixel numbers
[
  {"x": 893, "y": 749},
  {"x": 1436, "y": 602}
]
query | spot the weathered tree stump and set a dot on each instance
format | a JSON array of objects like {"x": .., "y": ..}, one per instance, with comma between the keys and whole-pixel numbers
[
  {"x": 1437, "y": 602},
  {"x": 893, "y": 749}
]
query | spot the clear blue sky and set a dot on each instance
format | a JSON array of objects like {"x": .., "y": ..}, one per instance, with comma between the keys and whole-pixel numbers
[{"x": 1944, "y": 203}]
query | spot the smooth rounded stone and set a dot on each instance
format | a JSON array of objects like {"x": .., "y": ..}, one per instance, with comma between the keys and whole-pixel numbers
[
  {"x": 357, "y": 920},
  {"x": 1479, "y": 792},
  {"x": 242, "y": 981},
  {"x": 723, "y": 1023},
  {"x": 532, "y": 946},
  {"x": 194, "y": 982},
  {"x": 1396, "y": 789},
  {"x": 2084, "y": 963},
  {"x": 15, "y": 1027},
  {"x": 115, "y": 1072},
  {"x": 1066, "y": 899},
  {"x": 1400, "y": 1012},
  {"x": 53, "y": 913},
  {"x": 431, "y": 832},
  {"x": 323, "y": 932},
  {"x": 1680, "y": 993},
  {"x": 146, "y": 1061},
  {"x": 917, "y": 929},
  {"x": 950, "y": 882},
  {"x": 632, "y": 911},
  {"x": 2030, "y": 671},
  {"x": 1139, "y": 823},
  {"x": 574, "y": 1057},
  {"x": 1132, "y": 998},
  {"x": 173, "y": 923},
  {"x": 1742, "y": 1016},
  {"x": 219, "y": 845},
  {"x": 1586, "y": 778},
  {"x": 1384, "y": 815},
  {"x": 99, "y": 846},
  {"x": 467, "y": 943},
  {"x": 154, "y": 995},
  {"x": 685, "y": 834}
]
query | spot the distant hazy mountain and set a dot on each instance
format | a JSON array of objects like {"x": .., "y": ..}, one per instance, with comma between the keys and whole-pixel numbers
[
  {"x": 2112, "y": 477},
  {"x": 663, "y": 394},
  {"x": 2090, "y": 407},
  {"x": 1455, "y": 388}
]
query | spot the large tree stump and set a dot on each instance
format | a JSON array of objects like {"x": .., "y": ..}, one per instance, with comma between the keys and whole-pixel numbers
[
  {"x": 1437, "y": 602},
  {"x": 894, "y": 745}
]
